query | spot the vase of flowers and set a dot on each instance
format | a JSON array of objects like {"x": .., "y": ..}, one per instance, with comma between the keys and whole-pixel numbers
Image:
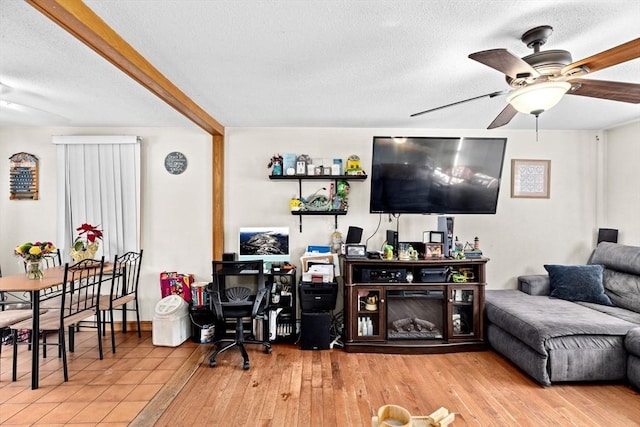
[
  {"x": 87, "y": 243},
  {"x": 32, "y": 254}
]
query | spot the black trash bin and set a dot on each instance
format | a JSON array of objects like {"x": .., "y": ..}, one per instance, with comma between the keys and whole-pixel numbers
[{"x": 202, "y": 326}]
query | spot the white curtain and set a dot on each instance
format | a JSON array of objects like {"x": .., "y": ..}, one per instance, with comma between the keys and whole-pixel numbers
[{"x": 98, "y": 181}]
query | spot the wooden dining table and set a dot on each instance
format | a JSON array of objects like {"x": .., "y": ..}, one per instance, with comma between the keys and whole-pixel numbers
[{"x": 53, "y": 276}]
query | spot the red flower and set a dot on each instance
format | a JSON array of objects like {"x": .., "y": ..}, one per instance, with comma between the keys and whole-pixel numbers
[{"x": 91, "y": 231}]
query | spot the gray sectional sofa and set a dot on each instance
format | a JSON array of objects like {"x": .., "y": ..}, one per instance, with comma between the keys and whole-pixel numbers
[{"x": 548, "y": 328}]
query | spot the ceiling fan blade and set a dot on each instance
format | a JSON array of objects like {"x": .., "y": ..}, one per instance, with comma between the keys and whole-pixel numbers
[
  {"x": 504, "y": 117},
  {"x": 615, "y": 91},
  {"x": 614, "y": 56},
  {"x": 505, "y": 62},
  {"x": 490, "y": 95},
  {"x": 21, "y": 112}
]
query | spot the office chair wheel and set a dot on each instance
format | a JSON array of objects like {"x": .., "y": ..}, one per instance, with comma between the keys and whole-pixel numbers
[
  {"x": 268, "y": 350},
  {"x": 245, "y": 365},
  {"x": 212, "y": 363}
]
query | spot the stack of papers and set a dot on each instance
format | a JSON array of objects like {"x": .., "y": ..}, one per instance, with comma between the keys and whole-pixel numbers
[{"x": 317, "y": 267}]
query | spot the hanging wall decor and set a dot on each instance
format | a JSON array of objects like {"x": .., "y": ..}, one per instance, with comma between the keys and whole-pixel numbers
[
  {"x": 530, "y": 178},
  {"x": 175, "y": 163},
  {"x": 23, "y": 177}
]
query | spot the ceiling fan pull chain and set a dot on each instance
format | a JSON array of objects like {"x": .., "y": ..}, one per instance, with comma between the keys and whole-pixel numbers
[{"x": 537, "y": 115}]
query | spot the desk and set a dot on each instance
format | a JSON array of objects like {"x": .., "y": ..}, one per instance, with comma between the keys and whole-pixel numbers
[{"x": 19, "y": 283}]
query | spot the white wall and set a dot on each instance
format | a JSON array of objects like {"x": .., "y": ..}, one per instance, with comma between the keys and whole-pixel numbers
[
  {"x": 519, "y": 239},
  {"x": 621, "y": 199},
  {"x": 176, "y": 210}
]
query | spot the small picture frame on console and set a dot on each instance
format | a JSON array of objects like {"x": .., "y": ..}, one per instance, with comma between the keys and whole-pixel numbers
[
  {"x": 433, "y": 250},
  {"x": 433, "y": 237}
]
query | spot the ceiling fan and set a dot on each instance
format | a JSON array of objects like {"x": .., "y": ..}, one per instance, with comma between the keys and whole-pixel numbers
[
  {"x": 539, "y": 81},
  {"x": 18, "y": 112}
]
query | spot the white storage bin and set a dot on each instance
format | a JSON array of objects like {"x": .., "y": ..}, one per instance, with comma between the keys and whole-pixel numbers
[{"x": 171, "y": 323}]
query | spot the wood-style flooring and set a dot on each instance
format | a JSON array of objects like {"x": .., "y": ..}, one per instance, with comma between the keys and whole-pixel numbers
[{"x": 144, "y": 385}]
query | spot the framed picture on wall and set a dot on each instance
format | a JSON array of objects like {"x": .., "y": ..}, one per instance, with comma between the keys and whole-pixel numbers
[{"x": 530, "y": 178}]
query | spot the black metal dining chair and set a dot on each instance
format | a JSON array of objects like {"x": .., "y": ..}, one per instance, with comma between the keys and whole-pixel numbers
[
  {"x": 123, "y": 291},
  {"x": 78, "y": 297}
]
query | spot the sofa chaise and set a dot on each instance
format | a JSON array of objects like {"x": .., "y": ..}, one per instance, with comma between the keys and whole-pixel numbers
[{"x": 577, "y": 323}]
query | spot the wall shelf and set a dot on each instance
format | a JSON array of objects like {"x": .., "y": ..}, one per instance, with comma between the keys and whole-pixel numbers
[{"x": 334, "y": 178}]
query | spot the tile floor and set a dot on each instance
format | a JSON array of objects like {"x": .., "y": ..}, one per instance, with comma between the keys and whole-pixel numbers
[{"x": 109, "y": 392}]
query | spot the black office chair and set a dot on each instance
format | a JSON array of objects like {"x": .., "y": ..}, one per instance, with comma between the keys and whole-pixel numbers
[{"x": 238, "y": 292}]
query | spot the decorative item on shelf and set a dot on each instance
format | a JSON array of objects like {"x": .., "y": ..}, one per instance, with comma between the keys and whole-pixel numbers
[
  {"x": 294, "y": 203},
  {"x": 371, "y": 302},
  {"x": 316, "y": 202},
  {"x": 289, "y": 164},
  {"x": 353, "y": 166},
  {"x": 342, "y": 196},
  {"x": 387, "y": 251},
  {"x": 87, "y": 246},
  {"x": 433, "y": 250},
  {"x": 336, "y": 167},
  {"x": 458, "y": 277},
  {"x": 470, "y": 251},
  {"x": 336, "y": 242},
  {"x": 33, "y": 254},
  {"x": 301, "y": 164},
  {"x": 276, "y": 165}
]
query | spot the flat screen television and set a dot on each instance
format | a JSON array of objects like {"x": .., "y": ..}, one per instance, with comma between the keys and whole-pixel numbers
[
  {"x": 270, "y": 244},
  {"x": 436, "y": 175}
]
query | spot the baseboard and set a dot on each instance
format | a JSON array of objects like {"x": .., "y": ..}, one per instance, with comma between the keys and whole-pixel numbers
[{"x": 145, "y": 325}]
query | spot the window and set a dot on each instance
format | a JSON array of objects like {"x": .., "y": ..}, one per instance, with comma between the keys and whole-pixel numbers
[{"x": 98, "y": 181}]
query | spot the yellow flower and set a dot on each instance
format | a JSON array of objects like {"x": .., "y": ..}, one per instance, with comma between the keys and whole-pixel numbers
[
  {"x": 35, "y": 250},
  {"x": 19, "y": 250}
]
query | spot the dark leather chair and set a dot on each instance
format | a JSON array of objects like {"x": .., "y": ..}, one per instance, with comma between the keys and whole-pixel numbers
[{"x": 238, "y": 292}]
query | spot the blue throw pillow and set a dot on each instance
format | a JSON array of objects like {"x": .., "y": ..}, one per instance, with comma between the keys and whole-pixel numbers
[{"x": 577, "y": 283}]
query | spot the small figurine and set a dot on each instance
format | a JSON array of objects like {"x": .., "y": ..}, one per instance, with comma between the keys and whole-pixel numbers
[
  {"x": 342, "y": 194},
  {"x": 353, "y": 166},
  {"x": 276, "y": 164},
  {"x": 388, "y": 252},
  {"x": 336, "y": 242}
]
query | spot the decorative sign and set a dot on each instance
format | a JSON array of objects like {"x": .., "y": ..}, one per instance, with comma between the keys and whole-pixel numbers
[
  {"x": 530, "y": 178},
  {"x": 23, "y": 176},
  {"x": 175, "y": 163}
]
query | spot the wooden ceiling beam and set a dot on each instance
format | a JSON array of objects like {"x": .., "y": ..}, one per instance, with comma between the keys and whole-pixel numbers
[{"x": 79, "y": 20}]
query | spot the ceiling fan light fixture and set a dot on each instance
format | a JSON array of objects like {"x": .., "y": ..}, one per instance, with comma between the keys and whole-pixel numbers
[{"x": 539, "y": 97}]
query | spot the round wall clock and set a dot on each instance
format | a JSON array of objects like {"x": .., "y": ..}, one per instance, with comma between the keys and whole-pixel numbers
[{"x": 175, "y": 163}]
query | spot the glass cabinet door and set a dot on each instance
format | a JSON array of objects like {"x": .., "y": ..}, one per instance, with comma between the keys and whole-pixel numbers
[
  {"x": 463, "y": 311},
  {"x": 369, "y": 303}
]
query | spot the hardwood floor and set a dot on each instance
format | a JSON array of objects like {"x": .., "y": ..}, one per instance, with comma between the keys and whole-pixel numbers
[{"x": 143, "y": 385}]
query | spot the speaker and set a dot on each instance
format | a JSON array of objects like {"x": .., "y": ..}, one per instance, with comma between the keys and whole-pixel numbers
[
  {"x": 229, "y": 256},
  {"x": 315, "y": 330},
  {"x": 392, "y": 239},
  {"x": 608, "y": 235},
  {"x": 354, "y": 235},
  {"x": 445, "y": 225}
]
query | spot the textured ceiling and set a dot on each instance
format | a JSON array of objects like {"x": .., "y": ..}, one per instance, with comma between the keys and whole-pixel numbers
[{"x": 323, "y": 63}]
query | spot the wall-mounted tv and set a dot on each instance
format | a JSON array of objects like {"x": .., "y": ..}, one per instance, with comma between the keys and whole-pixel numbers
[{"x": 436, "y": 175}]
